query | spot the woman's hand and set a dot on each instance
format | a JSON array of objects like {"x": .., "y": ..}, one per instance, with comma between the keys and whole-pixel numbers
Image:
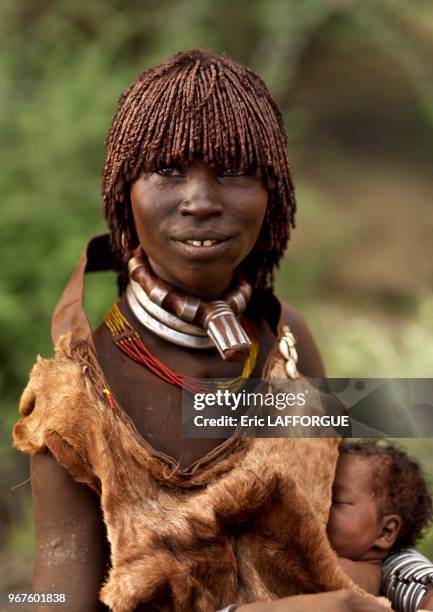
[
  {"x": 334, "y": 601},
  {"x": 427, "y": 602}
]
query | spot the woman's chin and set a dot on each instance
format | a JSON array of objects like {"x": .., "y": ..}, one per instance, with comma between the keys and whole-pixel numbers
[
  {"x": 202, "y": 281},
  {"x": 206, "y": 278}
]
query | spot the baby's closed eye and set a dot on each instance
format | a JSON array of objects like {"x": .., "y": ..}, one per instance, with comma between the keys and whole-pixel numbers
[{"x": 347, "y": 502}]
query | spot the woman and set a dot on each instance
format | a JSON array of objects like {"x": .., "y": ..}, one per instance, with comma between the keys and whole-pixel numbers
[{"x": 199, "y": 200}]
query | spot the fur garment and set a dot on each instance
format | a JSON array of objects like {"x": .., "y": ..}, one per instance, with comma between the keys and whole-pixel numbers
[{"x": 247, "y": 526}]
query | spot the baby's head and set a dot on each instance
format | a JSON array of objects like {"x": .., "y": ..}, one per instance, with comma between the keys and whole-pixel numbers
[{"x": 380, "y": 501}]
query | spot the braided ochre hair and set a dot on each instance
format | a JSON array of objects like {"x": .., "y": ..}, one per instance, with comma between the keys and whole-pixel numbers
[{"x": 199, "y": 104}]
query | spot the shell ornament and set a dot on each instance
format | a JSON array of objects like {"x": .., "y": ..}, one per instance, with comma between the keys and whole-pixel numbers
[{"x": 289, "y": 352}]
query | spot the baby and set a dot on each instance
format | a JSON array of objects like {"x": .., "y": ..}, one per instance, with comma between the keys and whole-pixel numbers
[{"x": 380, "y": 504}]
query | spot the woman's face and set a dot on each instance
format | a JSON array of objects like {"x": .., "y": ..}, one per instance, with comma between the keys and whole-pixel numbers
[{"x": 197, "y": 223}]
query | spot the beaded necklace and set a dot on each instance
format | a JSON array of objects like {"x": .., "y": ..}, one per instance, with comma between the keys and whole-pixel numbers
[{"x": 128, "y": 340}]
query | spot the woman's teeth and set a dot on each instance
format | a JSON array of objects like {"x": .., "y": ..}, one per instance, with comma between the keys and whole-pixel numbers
[{"x": 199, "y": 243}]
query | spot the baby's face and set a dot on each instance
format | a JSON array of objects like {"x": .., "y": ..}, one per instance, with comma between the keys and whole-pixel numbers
[{"x": 354, "y": 521}]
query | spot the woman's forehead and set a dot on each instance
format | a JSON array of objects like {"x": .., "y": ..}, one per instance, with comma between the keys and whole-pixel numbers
[{"x": 214, "y": 164}]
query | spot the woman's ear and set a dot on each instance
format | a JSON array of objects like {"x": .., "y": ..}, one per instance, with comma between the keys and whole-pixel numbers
[{"x": 390, "y": 528}]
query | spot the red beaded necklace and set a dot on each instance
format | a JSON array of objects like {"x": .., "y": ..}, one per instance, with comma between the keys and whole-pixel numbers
[{"x": 128, "y": 340}]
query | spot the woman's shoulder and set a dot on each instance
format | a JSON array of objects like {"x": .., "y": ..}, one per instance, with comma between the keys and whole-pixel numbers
[{"x": 58, "y": 397}]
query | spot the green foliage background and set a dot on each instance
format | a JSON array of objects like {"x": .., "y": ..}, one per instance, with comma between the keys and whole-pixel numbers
[{"x": 354, "y": 80}]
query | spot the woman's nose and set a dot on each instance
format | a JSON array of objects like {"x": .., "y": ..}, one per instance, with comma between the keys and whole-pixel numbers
[{"x": 200, "y": 200}]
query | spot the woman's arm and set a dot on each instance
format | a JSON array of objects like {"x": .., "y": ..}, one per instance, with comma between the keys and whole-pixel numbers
[
  {"x": 427, "y": 602},
  {"x": 334, "y": 601},
  {"x": 407, "y": 578},
  {"x": 71, "y": 543}
]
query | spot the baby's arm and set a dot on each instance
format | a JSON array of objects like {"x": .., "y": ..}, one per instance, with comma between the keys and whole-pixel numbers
[{"x": 366, "y": 574}]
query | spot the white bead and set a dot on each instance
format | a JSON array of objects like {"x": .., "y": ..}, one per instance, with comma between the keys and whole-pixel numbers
[
  {"x": 293, "y": 354},
  {"x": 289, "y": 338},
  {"x": 291, "y": 369},
  {"x": 284, "y": 348}
]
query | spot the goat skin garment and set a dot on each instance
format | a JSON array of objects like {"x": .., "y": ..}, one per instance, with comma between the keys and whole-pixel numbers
[{"x": 245, "y": 523}]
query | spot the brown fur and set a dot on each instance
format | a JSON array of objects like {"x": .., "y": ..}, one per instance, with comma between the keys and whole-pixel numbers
[{"x": 249, "y": 526}]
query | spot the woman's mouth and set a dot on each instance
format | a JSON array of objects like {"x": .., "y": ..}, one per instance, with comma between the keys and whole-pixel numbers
[{"x": 199, "y": 248}]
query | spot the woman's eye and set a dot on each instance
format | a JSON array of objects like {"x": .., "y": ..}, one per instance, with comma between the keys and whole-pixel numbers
[
  {"x": 233, "y": 172},
  {"x": 169, "y": 171}
]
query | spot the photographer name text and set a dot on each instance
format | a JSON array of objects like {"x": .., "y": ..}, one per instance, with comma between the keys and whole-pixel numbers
[{"x": 273, "y": 421}]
